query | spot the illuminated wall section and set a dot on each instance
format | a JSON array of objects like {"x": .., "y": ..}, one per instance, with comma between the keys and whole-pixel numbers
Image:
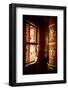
[{"x": 52, "y": 46}]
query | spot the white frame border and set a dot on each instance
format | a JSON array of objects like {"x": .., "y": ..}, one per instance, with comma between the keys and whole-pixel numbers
[{"x": 19, "y": 38}]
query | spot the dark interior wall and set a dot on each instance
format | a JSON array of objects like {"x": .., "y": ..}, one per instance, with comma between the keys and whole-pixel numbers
[
  {"x": 43, "y": 35},
  {"x": 46, "y": 28}
]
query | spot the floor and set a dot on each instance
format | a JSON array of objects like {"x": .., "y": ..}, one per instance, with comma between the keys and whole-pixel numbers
[{"x": 38, "y": 69}]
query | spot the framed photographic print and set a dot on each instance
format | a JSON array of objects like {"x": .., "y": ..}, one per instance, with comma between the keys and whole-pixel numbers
[{"x": 37, "y": 44}]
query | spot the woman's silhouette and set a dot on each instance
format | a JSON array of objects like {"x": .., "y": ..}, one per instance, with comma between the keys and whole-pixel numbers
[{"x": 41, "y": 64}]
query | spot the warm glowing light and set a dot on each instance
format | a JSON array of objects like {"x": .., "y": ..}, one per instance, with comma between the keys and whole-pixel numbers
[
  {"x": 32, "y": 34},
  {"x": 32, "y": 52},
  {"x": 52, "y": 44},
  {"x": 27, "y": 53},
  {"x": 32, "y": 46},
  {"x": 27, "y": 32}
]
